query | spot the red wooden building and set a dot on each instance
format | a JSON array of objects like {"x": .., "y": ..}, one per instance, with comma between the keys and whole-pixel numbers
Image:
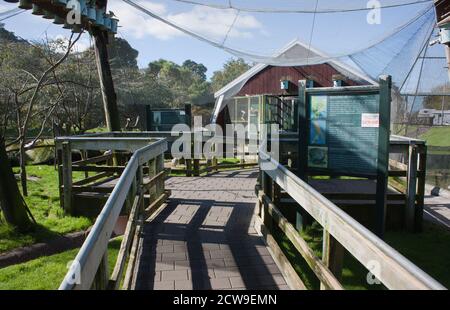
[{"x": 244, "y": 99}]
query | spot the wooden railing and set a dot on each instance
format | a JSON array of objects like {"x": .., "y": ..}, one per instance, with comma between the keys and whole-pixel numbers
[
  {"x": 196, "y": 166},
  {"x": 412, "y": 174},
  {"x": 340, "y": 232},
  {"x": 140, "y": 189}
]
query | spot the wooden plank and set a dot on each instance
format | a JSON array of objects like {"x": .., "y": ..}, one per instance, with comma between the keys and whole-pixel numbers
[
  {"x": 318, "y": 267},
  {"x": 91, "y": 189},
  {"x": 332, "y": 256},
  {"x": 291, "y": 276},
  {"x": 93, "y": 178},
  {"x": 132, "y": 261},
  {"x": 93, "y": 160},
  {"x": 117, "y": 169},
  {"x": 156, "y": 204},
  {"x": 398, "y": 165},
  {"x": 396, "y": 272},
  {"x": 227, "y": 166},
  {"x": 152, "y": 182},
  {"x": 420, "y": 197},
  {"x": 101, "y": 276},
  {"x": 102, "y": 143},
  {"x": 116, "y": 276},
  {"x": 396, "y": 173}
]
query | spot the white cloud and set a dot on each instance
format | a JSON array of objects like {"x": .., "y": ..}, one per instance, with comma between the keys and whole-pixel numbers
[{"x": 212, "y": 23}]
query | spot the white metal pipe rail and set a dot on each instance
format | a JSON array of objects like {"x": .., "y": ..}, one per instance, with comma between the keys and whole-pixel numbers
[
  {"x": 88, "y": 259},
  {"x": 396, "y": 271}
]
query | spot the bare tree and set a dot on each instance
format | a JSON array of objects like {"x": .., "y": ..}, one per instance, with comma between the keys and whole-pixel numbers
[{"x": 25, "y": 110}]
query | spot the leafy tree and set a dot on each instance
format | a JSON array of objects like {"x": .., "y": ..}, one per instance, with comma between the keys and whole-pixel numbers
[
  {"x": 122, "y": 55},
  {"x": 8, "y": 36},
  {"x": 196, "y": 68},
  {"x": 186, "y": 83},
  {"x": 437, "y": 102},
  {"x": 231, "y": 70}
]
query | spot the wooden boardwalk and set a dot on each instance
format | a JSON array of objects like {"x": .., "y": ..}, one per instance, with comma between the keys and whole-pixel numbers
[{"x": 205, "y": 238}]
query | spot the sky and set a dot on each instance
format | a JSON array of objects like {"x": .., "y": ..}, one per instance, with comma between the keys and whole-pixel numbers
[{"x": 257, "y": 33}]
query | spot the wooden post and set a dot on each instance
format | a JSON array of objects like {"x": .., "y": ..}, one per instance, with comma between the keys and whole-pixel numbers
[
  {"x": 140, "y": 189},
  {"x": 421, "y": 189},
  {"x": 106, "y": 81},
  {"x": 67, "y": 176},
  {"x": 102, "y": 276},
  {"x": 266, "y": 184},
  {"x": 332, "y": 255},
  {"x": 411, "y": 186},
  {"x": 152, "y": 171},
  {"x": 188, "y": 167},
  {"x": 275, "y": 193},
  {"x": 196, "y": 167},
  {"x": 159, "y": 168},
  {"x": 59, "y": 163}
]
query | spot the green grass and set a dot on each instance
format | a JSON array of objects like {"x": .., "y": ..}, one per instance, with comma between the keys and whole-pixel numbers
[
  {"x": 43, "y": 201},
  {"x": 97, "y": 130},
  {"x": 223, "y": 161},
  {"x": 437, "y": 136},
  {"x": 429, "y": 250},
  {"x": 47, "y": 273}
]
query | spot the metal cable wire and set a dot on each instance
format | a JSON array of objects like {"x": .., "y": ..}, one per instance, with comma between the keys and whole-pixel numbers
[
  {"x": 269, "y": 59},
  {"x": 13, "y": 12},
  {"x": 296, "y": 11}
]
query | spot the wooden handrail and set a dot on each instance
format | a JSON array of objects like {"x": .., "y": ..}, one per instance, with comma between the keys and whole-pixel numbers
[
  {"x": 91, "y": 255},
  {"x": 395, "y": 272}
]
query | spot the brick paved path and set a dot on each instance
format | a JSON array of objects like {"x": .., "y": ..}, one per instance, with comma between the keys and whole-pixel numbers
[{"x": 205, "y": 238}]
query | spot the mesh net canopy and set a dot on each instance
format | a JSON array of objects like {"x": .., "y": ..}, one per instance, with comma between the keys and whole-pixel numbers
[
  {"x": 371, "y": 37},
  {"x": 367, "y": 37}
]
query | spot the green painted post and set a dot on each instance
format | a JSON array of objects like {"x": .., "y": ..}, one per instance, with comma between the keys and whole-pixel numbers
[
  {"x": 302, "y": 163},
  {"x": 302, "y": 129},
  {"x": 383, "y": 154}
]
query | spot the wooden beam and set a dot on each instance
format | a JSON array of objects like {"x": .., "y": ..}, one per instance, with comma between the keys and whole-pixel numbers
[
  {"x": 106, "y": 81},
  {"x": 318, "y": 267},
  {"x": 291, "y": 276},
  {"x": 411, "y": 188},
  {"x": 124, "y": 250},
  {"x": 332, "y": 255}
]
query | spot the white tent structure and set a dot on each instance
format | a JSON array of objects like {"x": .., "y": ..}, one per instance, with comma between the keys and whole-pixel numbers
[{"x": 295, "y": 48}]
